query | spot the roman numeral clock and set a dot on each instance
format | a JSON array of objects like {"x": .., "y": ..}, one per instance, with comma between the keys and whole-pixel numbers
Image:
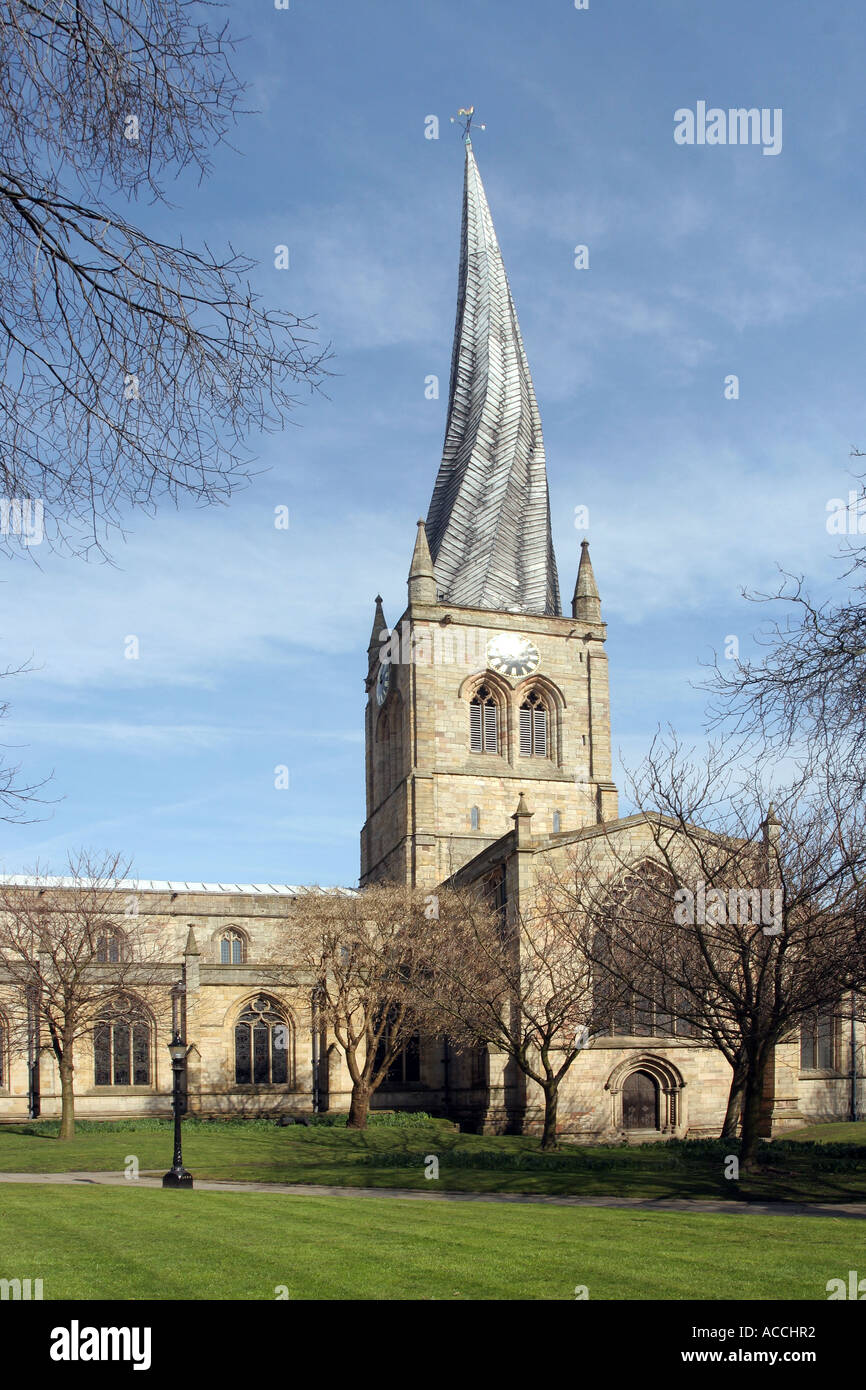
[
  {"x": 383, "y": 682},
  {"x": 509, "y": 654}
]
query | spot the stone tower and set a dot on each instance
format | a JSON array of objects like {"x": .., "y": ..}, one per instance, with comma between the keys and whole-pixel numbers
[{"x": 483, "y": 688}]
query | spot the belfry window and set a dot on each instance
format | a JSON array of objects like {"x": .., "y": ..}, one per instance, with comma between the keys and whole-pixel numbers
[
  {"x": 533, "y": 727},
  {"x": 483, "y": 722}
]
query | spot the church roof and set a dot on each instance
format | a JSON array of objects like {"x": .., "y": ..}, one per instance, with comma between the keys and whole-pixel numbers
[
  {"x": 152, "y": 885},
  {"x": 489, "y": 520}
]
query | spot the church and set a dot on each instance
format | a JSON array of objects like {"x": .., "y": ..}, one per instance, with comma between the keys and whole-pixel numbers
[{"x": 488, "y": 756}]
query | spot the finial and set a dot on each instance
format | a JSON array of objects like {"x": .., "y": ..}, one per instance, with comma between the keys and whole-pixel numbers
[
  {"x": 467, "y": 112},
  {"x": 380, "y": 630},
  {"x": 586, "y": 603},
  {"x": 522, "y": 824},
  {"x": 422, "y": 576}
]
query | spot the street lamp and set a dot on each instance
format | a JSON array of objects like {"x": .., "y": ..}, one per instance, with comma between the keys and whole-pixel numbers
[
  {"x": 34, "y": 1002},
  {"x": 177, "y": 1175}
]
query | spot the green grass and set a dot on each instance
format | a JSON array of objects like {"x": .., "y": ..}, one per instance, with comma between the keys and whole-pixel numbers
[
  {"x": 803, "y": 1168},
  {"x": 140, "y": 1243},
  {"x": 843, "y": 1132}
]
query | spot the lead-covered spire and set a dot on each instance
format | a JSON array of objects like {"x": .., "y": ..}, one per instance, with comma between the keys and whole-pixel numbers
[{"x": 489, "y": 520}]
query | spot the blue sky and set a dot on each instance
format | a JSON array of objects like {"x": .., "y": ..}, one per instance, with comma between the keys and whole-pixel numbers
[{"x": 704, "y": 261}]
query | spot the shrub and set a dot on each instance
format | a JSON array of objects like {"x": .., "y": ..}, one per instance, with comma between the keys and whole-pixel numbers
[{"x": 378, "y": 1119}]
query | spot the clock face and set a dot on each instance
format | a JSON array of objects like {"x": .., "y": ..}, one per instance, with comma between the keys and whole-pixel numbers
[
  {"x": 512, "y": 655},
  {"x": 383, "y": 682}
]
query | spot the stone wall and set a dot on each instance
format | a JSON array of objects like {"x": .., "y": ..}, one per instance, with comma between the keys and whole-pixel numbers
[{"x": 423, "y": 778}]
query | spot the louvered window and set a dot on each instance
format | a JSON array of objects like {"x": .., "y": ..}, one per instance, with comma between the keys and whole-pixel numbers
[
  {"x": 533, "y": 727},
  {"x": 483, "y": 722}
]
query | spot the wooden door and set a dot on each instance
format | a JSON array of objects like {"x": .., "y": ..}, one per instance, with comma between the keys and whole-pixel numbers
[{"x": 640, "y": 1102}]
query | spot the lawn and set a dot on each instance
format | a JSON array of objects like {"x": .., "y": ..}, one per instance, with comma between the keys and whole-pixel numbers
[
  {"x": 802, "y": 1168},
  {"x": 146, "y": 1243},
  {"x": 839, "y": 1132}
]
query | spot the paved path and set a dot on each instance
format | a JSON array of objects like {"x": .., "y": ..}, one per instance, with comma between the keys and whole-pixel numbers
[{"x": 851, "y": 1210}]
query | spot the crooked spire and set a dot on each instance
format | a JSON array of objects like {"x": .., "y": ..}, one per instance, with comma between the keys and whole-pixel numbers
[{"x": 489, "y": 520}]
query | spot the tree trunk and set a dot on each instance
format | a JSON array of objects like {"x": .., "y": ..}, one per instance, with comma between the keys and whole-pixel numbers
[
  {"x": 551, "y": 1100},
  {"x": 753, "y": 1091},
  {"x": 359, "y": 1107},
  {"x": 735, "y": 1104},
  {"x": 67, "y": 1098}
]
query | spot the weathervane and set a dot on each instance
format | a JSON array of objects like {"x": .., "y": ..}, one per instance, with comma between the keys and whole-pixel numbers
[{"x": 467, "y": 112}]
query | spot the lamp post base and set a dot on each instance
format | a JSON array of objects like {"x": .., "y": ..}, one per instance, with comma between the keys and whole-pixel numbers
[{"x": 177, "y": 1178}]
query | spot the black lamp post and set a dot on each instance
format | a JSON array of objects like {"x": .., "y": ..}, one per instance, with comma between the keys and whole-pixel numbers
[
  {"x": 34, "y": 1000},
  {"x": 177, "y": 1175}
]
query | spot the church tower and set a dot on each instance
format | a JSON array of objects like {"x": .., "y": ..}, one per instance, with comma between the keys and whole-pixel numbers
[{"x": 484, "y": 690}]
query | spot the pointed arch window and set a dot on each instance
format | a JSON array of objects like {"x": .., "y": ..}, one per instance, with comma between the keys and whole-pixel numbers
[
  {"x": 818, "y": 1042},
  {"x": 122, "y": 1038},
  {"x": 109, "y": 946},
  {"x": 483, "y": 722},
  {"x": 534, "y": 732},
  {"x": 263, "y": 1045},
  {"x": 232, "y": 946}
]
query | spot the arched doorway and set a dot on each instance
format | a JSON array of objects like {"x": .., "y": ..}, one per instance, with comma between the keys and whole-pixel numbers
[
  {"x": 647, "y": 1092},
  {"x": 640, "y": 1101}
]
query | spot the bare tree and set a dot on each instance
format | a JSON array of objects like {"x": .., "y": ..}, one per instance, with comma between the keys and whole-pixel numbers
[
  {"x": 807, "y": 691},
  {"x": 17, "y": 796},
  {"x": 516, "y": 980},
  {"x": 69, "y": 958},
  {"x": 365, "y": 953},
  {"x": 134, "y": 368},
  {"x": 735, "y": 921}
]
